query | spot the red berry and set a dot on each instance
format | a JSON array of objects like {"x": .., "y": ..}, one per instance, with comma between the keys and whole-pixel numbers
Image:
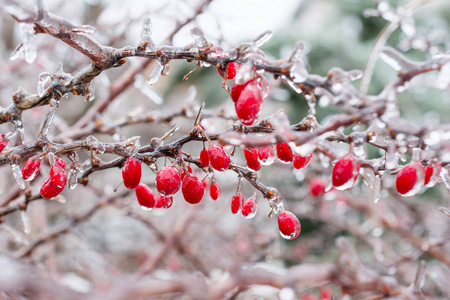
[
  {"x": 192, "y": 189},
  {"x": 409, "y": 181},
  {"x": 49, "y": 190},
  {"x": 219, "y": 158},
  {"x": 60, "y": 163},
  {"x": 145, "y": 196},
  {"x": 131, "y": 173},
  {"x": 166, "y": 202},
  {"x": 251, "y": 155},
  {"x": 289, "y": 225},
  {"x": 158, "y": 202},
  {"x": 231, "y": 71},
  {"x": 284, "y": 153},
  {"x": 31, "y": 168},
  {"x": 236, "y": 203},
  {"x": 250, "y": 207},
  {"x": 168, "y": 181},
  {"x": 183, "y": 173},
  {"x": 266, "y": 155},
  {"x": 236, "y": 89},
  {"x": 317, "y": 187},
  {"x": 432, "y": 172},
  {"x": 215, "y": 191},
  {"x": 345, "y": 172},
  {"x": 204, "y": 157},
  {"x": 58, "y": 176},
  {"x": 248, "y": 105},
  {"x": 3, "y": 142},
  {"x": 300, "y": 162}
]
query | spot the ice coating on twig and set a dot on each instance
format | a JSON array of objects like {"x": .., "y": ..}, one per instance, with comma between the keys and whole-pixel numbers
[
  {"x": 146, "y": 35},
  {"x": 200, "y": 39},
  {"x": 94, "y": 144}
]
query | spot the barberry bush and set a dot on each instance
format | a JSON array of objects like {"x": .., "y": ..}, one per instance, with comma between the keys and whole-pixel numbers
[{"x": 308, "y": 163}]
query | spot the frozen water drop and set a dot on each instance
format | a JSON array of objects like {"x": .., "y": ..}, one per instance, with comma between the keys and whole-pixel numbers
[
  {"x": 377, "y": 189},
  {"x": 18, "y": 175},
  {"x": 262, "y": 38},
  {"x": 94, "y": 144},
  {"x": 153, "y": 78},
  {"x": 250, "y": 207},
  {"x": 43, "y": 79},
  {"x": 200, "y": 39},
  {"x": 73, "y": 179}
]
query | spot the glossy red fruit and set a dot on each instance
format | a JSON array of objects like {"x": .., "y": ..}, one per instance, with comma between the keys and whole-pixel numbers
[
  {"x": 49, "y": 190},
  {"x": 248, "y": 105},
  {"x": 168, "y": 181},
  {"x": 60, "y": 163},
  {"x": 284, "y": 153},
  {"x": 251, "y": 155},
  {"x": 289, "y": 225},
  {"x": 410, "y": 179},
  {"x": 3, "y": 142},
  {"x": 236, "y": 203},
  {"x": 184, "y": 173},
  {"x": 266, "y": 155},
  {"x": 317, "y": 187},
  {"x": 204, "y": 157},
  {"x": 166, "y": 202},
  {"x": 31, "y": 169},
  {"x": 215, "y": 191},
  {"x": 432, "y": 172},
  {"x": 218, "y": 157},
  {"x": 231, "y": 71},
  {"x": 131, "y": 173},
  {"x": 236, "y": 89},
  {"x": 301, "y": 162},
  {"x": 250, "y": 207},
  {"x": 345, "y": 172},
  {"x": 158, "y": 202},
  {"x": 58, "y": 176},
  {"x": 192, "y": 189},
  {"x": 145, "y": 196}
]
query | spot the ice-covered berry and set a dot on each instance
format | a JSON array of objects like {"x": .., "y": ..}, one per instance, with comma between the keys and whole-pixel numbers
[
  {"x": 284, "y": 153},
  {"x": 248, "y": 105},
  {"x": 131, "y": 173},
  {"x": 31, "y": 168},
  {"x": 345, "y": 172},
  {"x": 251, "y": 155},
  {"x": 145, "y": 196},
  {"x": 289, "y": 225},
  {"x": 168, "y": 181},
  {"x": 192, "y": 189},
  {"x": 218, "y": 157}
]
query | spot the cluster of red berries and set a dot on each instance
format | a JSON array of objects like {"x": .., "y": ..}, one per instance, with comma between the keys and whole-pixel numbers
[{"x": 248, "y": 97}]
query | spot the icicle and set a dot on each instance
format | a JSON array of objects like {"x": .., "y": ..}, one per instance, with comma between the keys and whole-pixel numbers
[
  {"x": 43, "y": 79},
  {"x": 20, "y": 129},
  {"x": 25, "y": 221},
  {"x": 17, "y": 236},
  {"x": 377, "y": 188},
  {"x": 293, "y": 85},
  {"x": 54, "y": 103},
  {"x": 73, "y": 179},
  {"x": 262, "y": 38},
  {"x": 297, "y": 53},
  {"x": 94, "y": 144},
  {"x": 311, "y": 100},
  {"x": 200, "y": 39},
  {"x": 155, "y": 72},
  {"x": 146, "y": 34},
  {"x": 27, "y": 34},
  {"x": 391, "y": 159},
  {"x": 165, "y": 69},
  {"x": 16, "y": 53},
  {"x": 18, "y": 175}
]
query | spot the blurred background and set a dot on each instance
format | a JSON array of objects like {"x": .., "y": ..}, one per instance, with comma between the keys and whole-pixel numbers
[{"x": 121, "y": 239}]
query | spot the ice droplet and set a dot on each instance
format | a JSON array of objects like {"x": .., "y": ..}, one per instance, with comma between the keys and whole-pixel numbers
[
  {"x": 153, "y": 78},
  {"x": 73, "y": 179},
  {"x": 443, "y": 81},
  {"x": 391, "y": 159},
  {"x": 18, "y": 175},
  {"x": 244, "y": 74},
  {"x": 27, "y": 34},
  {"x": 140, "y": 84},
  {"x": 20, "y": 129},
  {"x": 359, "y": 138},
  {"x": 275, "y": 201},
  {"x": 16, "y": 53},
  {"x": 165, "y": 70},
  {"x": 25, "y": 221},
  {"x": 17, "y": 236},
  {"x": 250, "y": 207},
  {"x": 266, "y": 155},
  {"x": 200, "y": 39},
  {"x": 293, "y": 85}
]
